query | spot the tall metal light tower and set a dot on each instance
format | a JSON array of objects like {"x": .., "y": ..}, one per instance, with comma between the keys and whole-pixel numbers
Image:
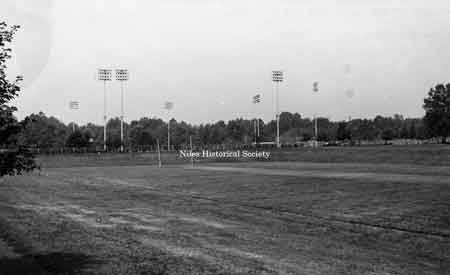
[
  {"x": 316, "y": 129},
  {"x": 168, "y": 106},
  {"x": 104, "y": 75},
  {"x": 277, "y": 77},
  {"x": 256, "y": 100},
  {"x": 74, "y": 105},
  {"x": 122, "y": 76}
]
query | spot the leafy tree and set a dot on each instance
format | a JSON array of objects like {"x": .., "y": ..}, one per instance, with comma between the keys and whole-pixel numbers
[
  {"x": 291, "y": 136},
  {"x": 40, "y": 131},
  {"x": 146, "y": 131},
  {"x": 306, "y": 136},
  {"x": 139, "y": 136},
  {"x": 342, "y": 132},
  {"x": 238, "y": 131},
  {"x": 437, "y": 111},
  {"x": 421, "y": 131},
  {"x": 404, "y": 132},
  {"x": 179, "y": 132},
  {"x": 386, "y": 135},
  {"x": 78, "y": 139},
  {"x": 14, "y": 159},
  {"x": 289, "y": 121},
  {"x": 113, "y": 133},
  {"x": 362, "y": 129},
  {"x": 218, "y": 133},
  {"x": 326, "y": 129},
  {"x": 412, "y": 130},
  {"x": 95, "y": 133},
  {"x": 269, "y": 131}
]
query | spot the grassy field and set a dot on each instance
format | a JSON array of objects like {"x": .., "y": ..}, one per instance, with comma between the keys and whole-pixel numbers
[
  {"x": 377, "y": 210},
  {"x": 413, "y": 154}
]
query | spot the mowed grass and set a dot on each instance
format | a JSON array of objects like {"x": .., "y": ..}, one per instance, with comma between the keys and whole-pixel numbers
[
  {"x": 432, "y": 154},
  {"x": 286, "y": 217}
]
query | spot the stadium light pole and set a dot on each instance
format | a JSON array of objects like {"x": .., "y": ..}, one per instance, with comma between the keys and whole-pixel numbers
[
  {"x": 122, "y": 76},
  {"x": 277, "y": 77},
  {"x": 256, "y": 100},
  {"x": 159, "y": 154},
  {"x": 74, "y": 105},
  {"x": 168, "y": 106},
  {"x": 192, "y": 156},
  {"x": 316, "y": 129},
  {"x": 104, "y": 75}
]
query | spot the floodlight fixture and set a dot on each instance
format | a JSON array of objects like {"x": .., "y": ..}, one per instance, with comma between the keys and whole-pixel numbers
[
  {"x": 277, "y": 76},
  {"x": 257, "y": 99},
  {"x": 168, "y": 105},
  {"x": 316, "y": 87},
  {"x": 74, "y": 105},
  {"x": 104, "y": 74},
  {"x": 122, "y": 75}
]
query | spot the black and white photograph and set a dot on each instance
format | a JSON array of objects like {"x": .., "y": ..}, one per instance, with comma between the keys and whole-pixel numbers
[{"x": 162, "y": 137}]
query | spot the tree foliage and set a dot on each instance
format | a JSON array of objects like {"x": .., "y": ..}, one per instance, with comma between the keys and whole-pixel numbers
[
  {"x": 437, "y": 111},
  {"x": 14, "y": 159},
  {"x": 387, "y": 135},
  {"x": 51, "y": 135},
  {"x": 78, "y": 139},
  {"x": 342, "y": 132},
  {"x": 40, "y": 131}
]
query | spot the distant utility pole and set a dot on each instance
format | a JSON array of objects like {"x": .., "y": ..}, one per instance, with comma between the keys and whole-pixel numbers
[
  {"x": 277, "y": 77},
  {"x": 74, "y": 105},
  {"x": 168, "y": 106},
  {"x": 256, "y": 100},
  {"x": 122, "y": 76},
  {"x": 316, "y": 129},
  {"x": 104, "y": 75}
]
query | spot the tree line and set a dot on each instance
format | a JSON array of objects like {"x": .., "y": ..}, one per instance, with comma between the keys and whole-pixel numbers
[{"x": 47, "y": 132}]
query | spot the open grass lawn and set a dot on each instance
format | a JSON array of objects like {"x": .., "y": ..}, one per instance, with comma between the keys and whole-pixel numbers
[{"x": 295, "y": 217}]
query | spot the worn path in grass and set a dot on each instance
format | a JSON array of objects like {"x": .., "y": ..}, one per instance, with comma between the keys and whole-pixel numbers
[{"x": 260, "y": 218}]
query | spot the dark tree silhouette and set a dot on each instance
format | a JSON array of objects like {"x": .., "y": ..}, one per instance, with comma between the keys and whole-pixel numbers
[
  {"x": 412, "y": 130},
  {"x": 14, "y": 159},
  {"x": 342, "y": 132},
  {"x": 437, "y": 111},
  {"x": 78, "y": 139},
  {"x": 387, "y": 135},
  {"x": 40, "y": 131}
]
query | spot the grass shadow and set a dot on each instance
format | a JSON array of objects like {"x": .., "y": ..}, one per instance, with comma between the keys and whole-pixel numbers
[{"x": 45, "y": 264}]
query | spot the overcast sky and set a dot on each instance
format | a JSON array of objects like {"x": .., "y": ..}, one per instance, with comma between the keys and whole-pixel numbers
[{"x": 211, "y": 56}]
